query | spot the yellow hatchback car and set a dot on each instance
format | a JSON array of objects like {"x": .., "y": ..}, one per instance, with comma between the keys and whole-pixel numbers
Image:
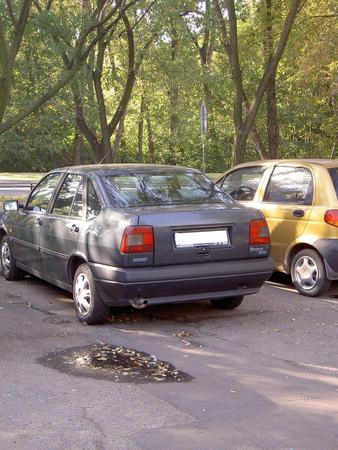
[{"x": 299, "y": 199}]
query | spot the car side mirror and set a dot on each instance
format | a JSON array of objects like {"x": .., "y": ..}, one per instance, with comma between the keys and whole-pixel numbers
[{"x": 11, "y": 205}]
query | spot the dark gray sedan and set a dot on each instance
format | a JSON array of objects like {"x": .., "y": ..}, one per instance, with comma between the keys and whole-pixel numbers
[{"x": 135, "y": 234}]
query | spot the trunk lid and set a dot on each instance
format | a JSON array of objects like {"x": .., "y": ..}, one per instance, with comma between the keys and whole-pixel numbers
[{"x": 198, "y": 233}]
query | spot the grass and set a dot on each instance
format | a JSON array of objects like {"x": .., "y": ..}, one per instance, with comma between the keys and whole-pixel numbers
[
  {"x": 213, "y": 176},
  {"x": 4, "y": 176}
]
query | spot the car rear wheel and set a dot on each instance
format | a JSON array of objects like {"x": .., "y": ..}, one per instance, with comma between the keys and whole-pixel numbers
[
  {"x": 8, "y": 265},
  {"x": 90, "y": 308},
  {"x": 308, "y": 273},
  {"x": 228, "y": 303}
]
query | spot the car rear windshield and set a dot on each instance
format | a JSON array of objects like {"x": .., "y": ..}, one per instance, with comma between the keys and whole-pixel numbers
[
  {"x": 162, "y": 189},
  {"x": 334, "y": 177}
]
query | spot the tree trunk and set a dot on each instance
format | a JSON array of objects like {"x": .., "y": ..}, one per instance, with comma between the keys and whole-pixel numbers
[
  {"x": 4, "y": 94},
  {"x": 81, "y": 122},
  {"x": 8, "y": 53},
  {"x": 268, "y": 73},
  {"x": 244, "y": 127},
  {"x": 257, "y": 140},
  {"x": 101, "y": 147},
  {"x": 272, "y": 119},
  {"x": 83, "y": 48},
  {"x": 131, "y": 78},
  {"x": 140, "y": 131},
  {"x": 271, "y": 103},
  {"x": 255, "y": 136},
  {"x": 151, "y": 140},
  {"x": 106, "y": 149},
  {"x": 334, "y": 149},
  {"x": 4, "y": 74},
  {"x": 206, "y": 52},
  {"x": 174, "y": 123},
  {"x": 239, "y": 147},
  {"x": 226, "y": 44},
  {"x": 238, "y": 153},
  {"x": 174, "y": 96},
  {"x": 77, "y": 146},
  {"x": 118, "y": 138},
  {"x": 123, "y": 150}
]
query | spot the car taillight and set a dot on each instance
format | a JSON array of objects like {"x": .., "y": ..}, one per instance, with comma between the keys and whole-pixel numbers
[
  {"x": 137, "y": 239},
  {"x": 259, "y": 232},
  {"x": 331, "y": 217}
]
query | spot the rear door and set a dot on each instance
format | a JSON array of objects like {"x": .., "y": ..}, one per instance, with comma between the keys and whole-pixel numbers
[
  {"x": 287, "y": 204},
  {"x": 61, "y": 228},
  {"x": 27, "y": 223}
]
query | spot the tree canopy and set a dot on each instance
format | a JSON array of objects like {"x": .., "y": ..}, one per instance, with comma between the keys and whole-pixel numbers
[{"x": 86, "y": 81}]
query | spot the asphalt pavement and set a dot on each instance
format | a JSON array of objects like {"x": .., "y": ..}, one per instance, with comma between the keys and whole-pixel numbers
[{"x": 264, "y": 376}]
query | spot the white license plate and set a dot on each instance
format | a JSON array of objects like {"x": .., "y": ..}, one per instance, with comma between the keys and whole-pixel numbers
[{"x": 201, "y": 238}]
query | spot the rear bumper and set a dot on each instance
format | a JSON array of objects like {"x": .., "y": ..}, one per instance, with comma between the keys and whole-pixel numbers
[
  {"x": 181, "y": 283},
  {"x": 328, "y": 248}
]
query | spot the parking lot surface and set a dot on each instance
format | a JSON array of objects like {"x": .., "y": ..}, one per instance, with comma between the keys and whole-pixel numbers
[{"x": 264, "y": 376}]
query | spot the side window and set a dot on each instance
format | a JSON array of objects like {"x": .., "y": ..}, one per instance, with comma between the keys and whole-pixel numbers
[
  {"x": 41, "y": 195},
  {"x": 67, "y": 196},
  {"x": 334, "y": 177},
  {"x": 242, "y": 184},
  {"x": 93, "y": 202},
  {"x": 77, "y": 208},
  {"x": 290, "y": 185}
]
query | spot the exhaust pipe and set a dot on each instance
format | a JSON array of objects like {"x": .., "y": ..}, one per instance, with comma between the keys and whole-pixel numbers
[{"x": 138, "y": 303}]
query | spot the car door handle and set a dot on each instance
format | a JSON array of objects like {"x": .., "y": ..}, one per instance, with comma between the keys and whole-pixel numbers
[
  {"x": 298, "y": 213},
  {"x": 39, "y": 221},
  {"x": 74, "y": 228}
]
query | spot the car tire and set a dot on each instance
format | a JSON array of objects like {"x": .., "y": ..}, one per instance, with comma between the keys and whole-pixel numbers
[
  {"x": 228, "y": 303},
  {"x": 308, "y": 273},
  {"x": 89, "y": 305},
  {"x": 9, "y": 269}
]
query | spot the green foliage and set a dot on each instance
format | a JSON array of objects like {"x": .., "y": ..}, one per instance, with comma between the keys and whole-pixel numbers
[{"x": 306, "y": 84}]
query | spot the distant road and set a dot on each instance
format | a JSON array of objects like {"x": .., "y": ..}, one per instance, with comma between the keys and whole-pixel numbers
[{"x": 10, "y": 188}]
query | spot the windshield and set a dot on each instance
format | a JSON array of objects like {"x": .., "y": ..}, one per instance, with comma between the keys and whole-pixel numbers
[{"x": 162, "y": 189}]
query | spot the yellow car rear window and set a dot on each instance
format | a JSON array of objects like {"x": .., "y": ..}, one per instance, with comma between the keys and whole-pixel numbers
[{"x": 334, "y": 177}]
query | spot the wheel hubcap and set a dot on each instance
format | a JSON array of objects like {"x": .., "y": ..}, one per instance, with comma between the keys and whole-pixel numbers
[
  {"x": 82, "y": 294},
  {"x": 5, "y": 258},
  {"x": 306, "y": 272}
]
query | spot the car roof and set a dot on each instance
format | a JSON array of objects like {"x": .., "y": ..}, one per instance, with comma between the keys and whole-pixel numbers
[
  {"x": 105, "y": 169},
  {"x": 272, "y": 162}
]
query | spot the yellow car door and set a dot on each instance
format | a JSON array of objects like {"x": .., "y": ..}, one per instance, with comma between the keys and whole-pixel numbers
[{"x": 286, "y": 203}]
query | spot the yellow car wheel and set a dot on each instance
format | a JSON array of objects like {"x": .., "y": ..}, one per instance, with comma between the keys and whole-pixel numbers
[{"x": 308, "y": 273}]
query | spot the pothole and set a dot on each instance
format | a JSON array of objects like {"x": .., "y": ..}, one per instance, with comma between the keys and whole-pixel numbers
[{"x": 120, "y": 364}]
